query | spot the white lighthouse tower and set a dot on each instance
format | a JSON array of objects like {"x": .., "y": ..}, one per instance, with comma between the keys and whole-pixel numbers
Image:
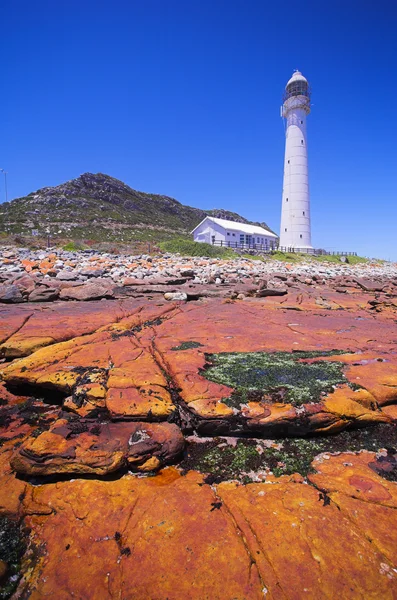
[{"x": 295, "y": 231}]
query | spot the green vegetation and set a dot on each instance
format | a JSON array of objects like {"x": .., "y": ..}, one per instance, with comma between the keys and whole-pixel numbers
[
  {"x": 323, "y": 258},
  {"x": 254, "y": 257},
  {"x": 221, "y": 461},
  {"x": 187, "y": 247},
  {"x": 186, "y": 346},
  {"x": 74, "y": 246},
  {"x": 287, "y": 256},
  {"x": 280, "y": 376},
  {"x": 352, "y": 260},
  {"x": 11, "y": 551}
]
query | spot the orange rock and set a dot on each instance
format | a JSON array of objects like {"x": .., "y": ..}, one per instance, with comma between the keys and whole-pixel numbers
[
  {"x": 134, "y": 403},
  {"x": 167, "y": 525},
  {"x": 94, "y": 448}
]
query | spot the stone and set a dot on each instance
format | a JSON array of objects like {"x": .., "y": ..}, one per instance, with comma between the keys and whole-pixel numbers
[
  {"x": 43, "y": 294},
  {"x": 10, "y": 294},
  {"x": 25, "y": 283},
  {"x": 89, "y": 291},
  {"x": 175, "y": 296},
  {"x": 67, "y": 275}
]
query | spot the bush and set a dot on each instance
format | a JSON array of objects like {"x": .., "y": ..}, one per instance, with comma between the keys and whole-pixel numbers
[
  {"x": 73, "y": 246},
  {"x": 190, "y": 248}
]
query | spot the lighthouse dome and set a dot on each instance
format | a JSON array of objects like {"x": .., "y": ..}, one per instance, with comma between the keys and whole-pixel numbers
[{"x": 297, "y": 76}]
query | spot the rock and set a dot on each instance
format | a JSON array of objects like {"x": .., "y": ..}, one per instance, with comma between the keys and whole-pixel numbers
[
  {"x": 188, "y": 273},
  {"x": 88, "y": 291},
  {"x": 3, "y": 570},
  {"x": 10, "y": 294},
  {"x": 262, "y": 293},
  {"x": 25, "y": 283},
  {"x": 174, "y": 296},
  {"x": 369, "y": 285},
  {"x": 67, "y": 275},
  {"x": 86, "y": 447},
  {"x": 43, "y": 294}
]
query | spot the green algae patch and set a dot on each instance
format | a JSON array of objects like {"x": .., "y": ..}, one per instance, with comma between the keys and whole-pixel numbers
[
  {"x": 186, "y": 346},
  {"x": 279, "y": 376},
  {"x": 250, "y": 459}
]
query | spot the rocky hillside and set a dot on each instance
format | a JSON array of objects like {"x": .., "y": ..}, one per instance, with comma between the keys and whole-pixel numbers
[{"x": 100, "y": 207}]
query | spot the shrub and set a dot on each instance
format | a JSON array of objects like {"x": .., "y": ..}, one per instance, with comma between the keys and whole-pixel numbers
[{"x": 189, "y": 248}]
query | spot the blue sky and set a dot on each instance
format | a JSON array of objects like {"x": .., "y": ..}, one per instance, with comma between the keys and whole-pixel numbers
[{"x": 182, "y": 97}]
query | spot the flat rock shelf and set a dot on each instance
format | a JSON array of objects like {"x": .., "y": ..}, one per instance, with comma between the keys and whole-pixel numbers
[{"x": 234, "y": 444}]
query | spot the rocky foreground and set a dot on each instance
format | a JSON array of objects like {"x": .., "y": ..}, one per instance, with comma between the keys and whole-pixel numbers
[{"x": 177, "y": 428}]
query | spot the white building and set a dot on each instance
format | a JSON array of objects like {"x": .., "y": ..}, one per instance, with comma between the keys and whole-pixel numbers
[
  {"x": 233, "y": 234},
  {"x": 295, "y": 230}
]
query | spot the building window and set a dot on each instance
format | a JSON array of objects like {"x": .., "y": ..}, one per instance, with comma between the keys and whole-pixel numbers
[
  {"x": 301, "y": 141},
  {"x": 228, "y": 233},
  {"x": 301, "y": 122},
  {"x": 286, "y": 199},
  {"x": 233, "y": 234},
  {"x": 288, "y": 162},
  {"x": 257, "y": 240},
  {"x": 303, "y": 213},
  {"x": 300, "y": 236},
  {"x": 285, "y": 229}
]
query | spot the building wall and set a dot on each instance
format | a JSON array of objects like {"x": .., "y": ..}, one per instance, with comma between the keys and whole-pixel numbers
[
  {"x": 295, "y": 228},
  {"x": 208, "y": 229}
]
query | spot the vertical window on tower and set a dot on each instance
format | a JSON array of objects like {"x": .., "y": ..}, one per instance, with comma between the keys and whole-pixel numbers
[
  {"x": 285, "y": 229},
  {"x": 301, "y": 122},
  {"x": 286, "y": 199},
  {"x": 301, "y": 141},
  {"x": 288, "y": 162},
  {"x": 300, "y": 236},
  {"x": 303, "y": 213}
]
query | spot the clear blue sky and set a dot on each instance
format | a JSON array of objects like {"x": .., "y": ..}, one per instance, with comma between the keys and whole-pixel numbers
[{"x": 182, "y": 97}]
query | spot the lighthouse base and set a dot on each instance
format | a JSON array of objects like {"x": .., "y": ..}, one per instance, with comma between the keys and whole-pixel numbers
[{"x": 303, "y": 249}]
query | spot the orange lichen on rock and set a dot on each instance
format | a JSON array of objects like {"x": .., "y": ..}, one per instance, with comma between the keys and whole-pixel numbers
[{"x": 86, "y": 448}]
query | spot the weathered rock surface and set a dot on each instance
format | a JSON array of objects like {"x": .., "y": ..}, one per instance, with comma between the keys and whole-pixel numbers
[
  {"x": 87, "y": 447},
  {"x": 108, "y": 376}
]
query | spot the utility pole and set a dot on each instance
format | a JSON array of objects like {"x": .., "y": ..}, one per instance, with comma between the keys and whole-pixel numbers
[{"x": 5, "y": 182}]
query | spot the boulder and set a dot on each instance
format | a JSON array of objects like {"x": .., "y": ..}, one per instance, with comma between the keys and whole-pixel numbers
[
  {"x": 10, "y": 294},
  {"x": 67, "y": 275},
  {"x": 89, "y": 291},
  {"x": 87, "y": 447},
  {"x": 43, "y": 294}
]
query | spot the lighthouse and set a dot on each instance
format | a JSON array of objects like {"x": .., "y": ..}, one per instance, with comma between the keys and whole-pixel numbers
[{"x": 295, "y": 230}]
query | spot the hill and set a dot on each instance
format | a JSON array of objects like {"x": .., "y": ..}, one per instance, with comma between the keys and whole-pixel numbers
[{"x": 102, "y": 208}]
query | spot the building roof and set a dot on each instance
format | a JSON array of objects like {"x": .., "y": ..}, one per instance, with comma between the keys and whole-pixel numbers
[{"x": 235, "y": 226}]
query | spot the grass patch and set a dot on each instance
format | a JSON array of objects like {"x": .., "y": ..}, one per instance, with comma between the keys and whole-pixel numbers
[
  {"x": 324, "y": 258},
  {"x": 253, "y": 257},
  {"x": 275, "y": 376},
  {"x": 287, "y": 256},
  {"x": 189, "y": 248}
]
